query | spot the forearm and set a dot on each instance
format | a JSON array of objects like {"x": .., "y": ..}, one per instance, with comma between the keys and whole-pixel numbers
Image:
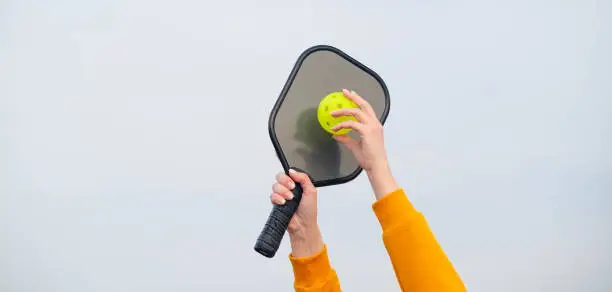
[
  {"x": 306, "y": 242},
  {"x": 381, "y": 180}
]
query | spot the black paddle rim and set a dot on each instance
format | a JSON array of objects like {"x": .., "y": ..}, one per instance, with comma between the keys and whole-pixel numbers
[{"x": 281, "y": 98}]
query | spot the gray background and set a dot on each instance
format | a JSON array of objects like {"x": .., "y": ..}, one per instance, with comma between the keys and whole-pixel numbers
[{"x": 134, "y": 153}]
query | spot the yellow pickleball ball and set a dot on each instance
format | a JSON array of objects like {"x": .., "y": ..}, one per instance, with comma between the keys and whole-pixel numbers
[{"x": 334, "y": 101}]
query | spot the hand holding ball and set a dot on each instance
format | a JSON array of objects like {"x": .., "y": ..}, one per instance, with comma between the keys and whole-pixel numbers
[{"x": 334, "y": 101}]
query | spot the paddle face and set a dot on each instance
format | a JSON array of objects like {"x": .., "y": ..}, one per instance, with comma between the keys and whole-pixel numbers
[{"x": 298, "y": 137}]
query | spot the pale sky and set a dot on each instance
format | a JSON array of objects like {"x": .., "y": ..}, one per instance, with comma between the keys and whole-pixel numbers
[{"x": 134, "y": 153}]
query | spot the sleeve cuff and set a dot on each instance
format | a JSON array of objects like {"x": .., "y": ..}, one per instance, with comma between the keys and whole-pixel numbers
[
  {"x": 311, "y": 269},
  {"x": 394, "y": 209}
]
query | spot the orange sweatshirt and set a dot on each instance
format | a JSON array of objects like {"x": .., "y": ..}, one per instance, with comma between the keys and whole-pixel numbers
[{"x": 418, "y": 260}]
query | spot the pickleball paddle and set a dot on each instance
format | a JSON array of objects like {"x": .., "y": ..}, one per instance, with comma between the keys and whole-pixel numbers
[{"x": 300, "y": 127}]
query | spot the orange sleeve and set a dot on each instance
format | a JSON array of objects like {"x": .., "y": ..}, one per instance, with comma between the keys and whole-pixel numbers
[
  {"x": 419, "y": 262},
  {"x": 314, "y": 273}
]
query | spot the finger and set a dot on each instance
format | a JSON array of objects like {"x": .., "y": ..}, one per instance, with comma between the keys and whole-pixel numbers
[
  {"x": 350, "y": 124},
  {"x": 288, "y": 195},
  {"x": 285, "y": 180},
  {"x": 282, "y": 190},
  {"x": 362, "y": 103},
  {"x": 355, "y": 112},
  {"x": 347, "y": 141},
  {"x": 277, "y": 199},
  {"x": 302, "y": 179}
]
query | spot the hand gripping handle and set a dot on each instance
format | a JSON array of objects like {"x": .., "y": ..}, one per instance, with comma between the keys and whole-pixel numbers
[{"x": 272, "y": 234}]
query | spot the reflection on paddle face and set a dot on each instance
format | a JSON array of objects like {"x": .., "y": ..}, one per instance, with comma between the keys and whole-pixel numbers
[{"x": 320, "y": 152}]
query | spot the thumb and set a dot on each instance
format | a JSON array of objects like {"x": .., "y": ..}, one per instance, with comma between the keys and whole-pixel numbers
[{"x": 302, "y": 179}]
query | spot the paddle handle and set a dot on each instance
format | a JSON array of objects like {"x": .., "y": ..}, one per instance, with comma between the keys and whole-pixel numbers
[{"x": 270, "y": 238}]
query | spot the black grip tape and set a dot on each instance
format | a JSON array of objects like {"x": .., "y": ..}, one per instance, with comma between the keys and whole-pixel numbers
[{"x": 270, "y": 238}]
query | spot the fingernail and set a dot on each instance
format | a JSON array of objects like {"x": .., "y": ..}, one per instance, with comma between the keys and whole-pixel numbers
[
  {"x": 290, "y": 196},
  {"x": 291, "y": 170},
  {"x": 292, "y": 185},
  {"x": 282, "y": 201}
]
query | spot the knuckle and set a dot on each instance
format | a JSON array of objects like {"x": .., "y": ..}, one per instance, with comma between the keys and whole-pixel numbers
[
  {"x": 287, "y": 195},
  {"x": 278, "y": 188},
  {"x": 303, "y": 178},
  {"x": 307, "y": 179},
  {"x": 372, "y": 129}
]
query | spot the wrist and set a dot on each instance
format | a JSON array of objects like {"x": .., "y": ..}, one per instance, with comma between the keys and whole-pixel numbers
[
  {"x": 380, "y": 167},
  {"x": 305, "y": 242}
]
